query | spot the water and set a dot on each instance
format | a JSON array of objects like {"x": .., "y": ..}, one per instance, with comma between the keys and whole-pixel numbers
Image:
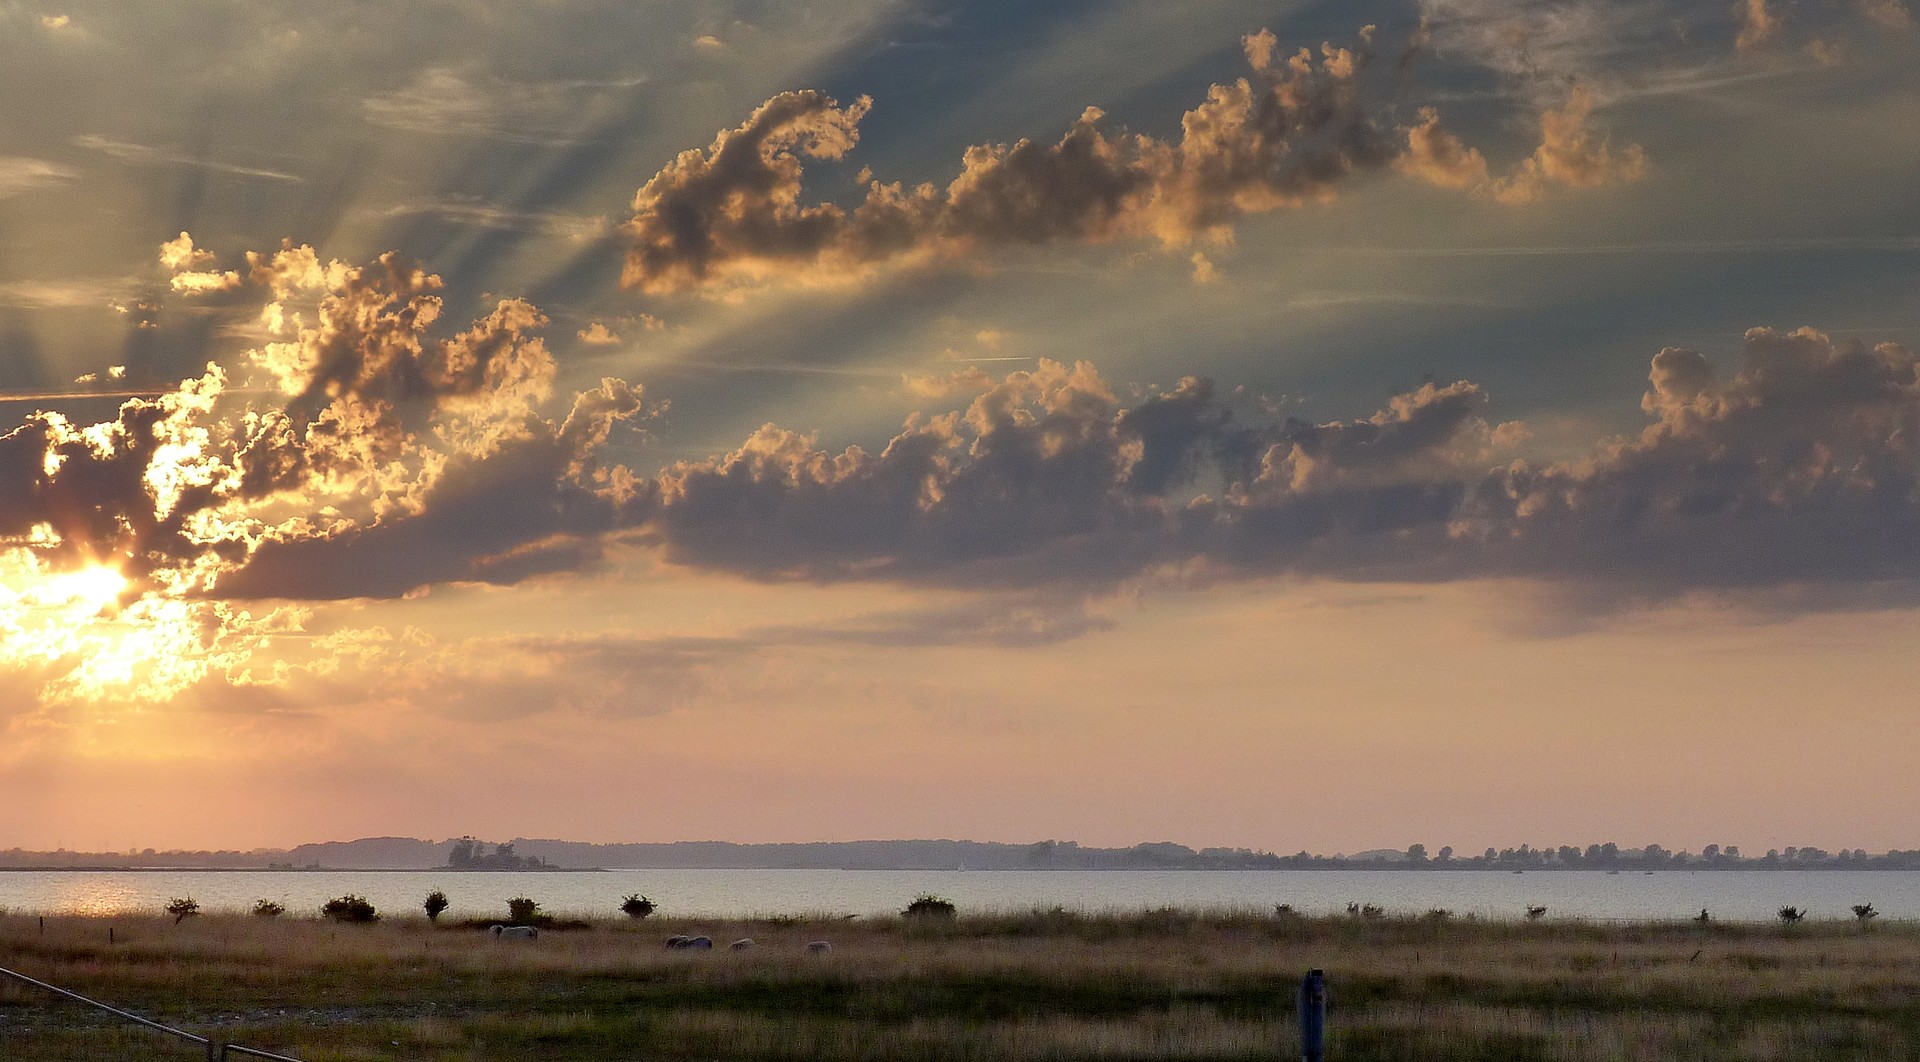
[{"x": 1730, "y": 895}]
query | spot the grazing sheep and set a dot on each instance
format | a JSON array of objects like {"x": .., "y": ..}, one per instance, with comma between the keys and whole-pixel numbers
[
  {"x": 680, "y": 943},
  {"x": 742, "y": 944},
  {"x": 701, "y": 943},
  {"x": 818, "y": 947},
  {"x": 514, "y": 933},
  {"x": 676, "y": 942}
]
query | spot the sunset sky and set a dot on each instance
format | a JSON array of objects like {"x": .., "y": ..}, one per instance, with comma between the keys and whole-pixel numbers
[{"x": 1283, "y": 425}]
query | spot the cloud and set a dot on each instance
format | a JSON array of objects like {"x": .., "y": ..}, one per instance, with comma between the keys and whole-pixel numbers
[
  {"x": 1204, "y": 271},
  {"x": 1569, "y": 155},
  {"x": 396, "y": 456},
  {"x": 486, "y": 215},
  {"x": 391, "y": 452},
  {"x": 1758, "y": 25},
  {"x": 146, "y": 155},
  {"x": 90, "y": 292},
  {"x": 1540, "y": 46},
  {"x": 938, "y": 387},
  {"x": 193, "y": 268},
  {"x": 19, "y": 176},
  {"x": 1438, "y": 157},
  {"x": 441, "y": 100},
  {"x": 1800, "y": 469},
  {"x": 1288, "y": 133},
  {"x": 598, "y": 334},
  {"x": 180, "y": 254},
  {"x": 1889, "y": 14}
]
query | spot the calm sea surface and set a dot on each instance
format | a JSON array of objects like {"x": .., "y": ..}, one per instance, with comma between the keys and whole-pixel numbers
[{"x": 1730, "y": 895}]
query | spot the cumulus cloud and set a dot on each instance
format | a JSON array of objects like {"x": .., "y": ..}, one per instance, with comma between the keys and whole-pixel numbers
[
  {"x": 1289, "y": 132},
  {"x": 1438, "y": 157},
  {"x": 1801, "y": 468},
  {"x": 396, "y": 452},
  {"x": 1889, "y": 14},
  {"x": 1758, "y": 25},
  {"x": 1570, "y": 154},
  {"x": 598, "y": 334},
  {"x": 393, "y": 455}
]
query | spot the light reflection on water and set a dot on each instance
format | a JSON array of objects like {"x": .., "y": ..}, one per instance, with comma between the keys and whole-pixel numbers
[
  {"x": 95, "y": 894},
  {"x": 1730, "y": 895}
]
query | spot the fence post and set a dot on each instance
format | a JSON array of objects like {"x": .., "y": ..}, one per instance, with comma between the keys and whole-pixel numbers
[{"x": 1313, "y": 1017}]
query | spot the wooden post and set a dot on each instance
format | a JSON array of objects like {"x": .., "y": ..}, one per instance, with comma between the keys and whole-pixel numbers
[{"x": 1312, "y": 1000}]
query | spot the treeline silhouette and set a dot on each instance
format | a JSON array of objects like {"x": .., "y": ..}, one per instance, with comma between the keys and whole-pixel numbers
[{"x": 466, "y": 853}]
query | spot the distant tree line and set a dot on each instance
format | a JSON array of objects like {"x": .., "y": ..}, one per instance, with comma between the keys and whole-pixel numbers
[
  {"x": 469, "y": 854},
  {"x": 1611, "y": 856}
]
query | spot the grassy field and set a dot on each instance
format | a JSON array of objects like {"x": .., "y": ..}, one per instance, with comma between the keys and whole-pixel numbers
[{"x": 1047, "y": 985}]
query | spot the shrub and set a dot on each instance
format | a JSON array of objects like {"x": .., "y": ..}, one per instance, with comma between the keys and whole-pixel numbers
[
  {"x": 182, "y": 908},
  {"x": 1792, "y": 915},
  {"x": 522, "y": 910},
  {"x": 436, "y": 902},
  {"x": 1865, "y": 912},
  {"x": 930, "y": 906},
  {"x": 637, "y": 906},
  {"x": 350, "y": 908},
  {"x": 268, "y": 909}
]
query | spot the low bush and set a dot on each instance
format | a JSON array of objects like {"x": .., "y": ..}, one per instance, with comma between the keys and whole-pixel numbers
[
  {"x": 350, "y": 908},
  {"x": 930, "y": 906}
]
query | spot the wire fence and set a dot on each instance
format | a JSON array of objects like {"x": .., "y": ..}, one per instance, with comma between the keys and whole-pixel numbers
[{"x": 216, "y": 1050}]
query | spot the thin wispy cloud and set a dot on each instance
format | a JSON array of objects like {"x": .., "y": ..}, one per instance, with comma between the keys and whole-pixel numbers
[
  {"x": 444, "y": 101},
  {"x": 481, "y": 214},
  {"x": 151, "y": 155},
  {"x": 19, "y": 176}
]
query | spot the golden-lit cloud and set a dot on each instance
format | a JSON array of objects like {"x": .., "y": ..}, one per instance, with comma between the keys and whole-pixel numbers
[
  {"x": 22, "y": 175},
  {"x": 1570, "y": 154},
  {"x": 383, "y": 428},
  {"x": 1286, "y": 134},
  {"x": 1759, "y": 25},
  {"x": 1438, "y": 157},
  {"x": 598, "y": 334},
  {"x": 1888, "y": 14}
]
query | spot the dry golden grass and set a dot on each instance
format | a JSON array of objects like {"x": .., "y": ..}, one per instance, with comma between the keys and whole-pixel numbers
[{"x": 1046, "y": 985}]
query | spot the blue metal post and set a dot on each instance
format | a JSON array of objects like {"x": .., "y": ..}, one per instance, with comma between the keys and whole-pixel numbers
[{"x": 1313, "y": 1017}]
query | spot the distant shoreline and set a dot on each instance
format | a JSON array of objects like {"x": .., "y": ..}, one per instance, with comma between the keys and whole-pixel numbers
[
  {"x": 294, "y": 870},
  {"x": 1368, "y": 868}
]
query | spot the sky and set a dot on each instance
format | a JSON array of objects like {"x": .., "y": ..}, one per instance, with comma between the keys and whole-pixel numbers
[{"x": 1315, "y": 426}]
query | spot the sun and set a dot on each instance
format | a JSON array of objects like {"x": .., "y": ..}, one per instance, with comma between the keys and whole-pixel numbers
[{"x": 95, "y": 589}]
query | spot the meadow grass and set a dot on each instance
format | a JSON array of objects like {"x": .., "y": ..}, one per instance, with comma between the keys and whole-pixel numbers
[{"x": 1043, "y": 985}]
